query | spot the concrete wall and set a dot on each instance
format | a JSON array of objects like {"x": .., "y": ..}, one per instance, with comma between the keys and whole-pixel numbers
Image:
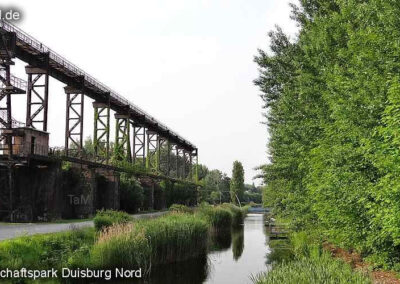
[{"x": 44, "y": 192}]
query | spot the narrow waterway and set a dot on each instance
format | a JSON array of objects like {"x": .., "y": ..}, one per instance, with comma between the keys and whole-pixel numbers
[{"x": 232, "y": 258}]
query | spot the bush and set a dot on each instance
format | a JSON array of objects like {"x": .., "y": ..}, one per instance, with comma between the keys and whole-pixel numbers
[
  {"x": 107, "y": 218},
  {"x": 132, "y": 194},
  {"x": 180, "y": 208}
]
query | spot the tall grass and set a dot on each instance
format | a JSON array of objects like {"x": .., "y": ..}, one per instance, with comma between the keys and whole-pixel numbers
[
  {"x": 121, "y": 245},
  {"x": 218, "y": 218},
  {"x": 237, "y": 213},
  {"x": 171, "y": 238},
  {"x": 304, "y": 261},
  {"x": 323, "y": 269}
]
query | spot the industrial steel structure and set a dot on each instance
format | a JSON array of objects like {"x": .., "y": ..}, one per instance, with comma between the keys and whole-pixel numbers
[{"x": 140, "y": 138}]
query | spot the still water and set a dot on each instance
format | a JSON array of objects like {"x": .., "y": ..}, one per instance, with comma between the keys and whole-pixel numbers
[{"x": 232, "y": 258}]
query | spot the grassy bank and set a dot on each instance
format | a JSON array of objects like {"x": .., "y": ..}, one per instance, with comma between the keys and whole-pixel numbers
[
  {"x": 45, "y": 251},
  {"x": 303, "y": 260},
  {"x": 119, "y": 241}
]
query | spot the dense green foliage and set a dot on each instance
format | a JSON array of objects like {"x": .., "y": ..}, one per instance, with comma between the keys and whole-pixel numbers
[
  {"x": 107, "y": 218},
  {"x": 132, "y": 194},
  {"x": 237, "y": 182},
  {"x": 332, "y": 98}
]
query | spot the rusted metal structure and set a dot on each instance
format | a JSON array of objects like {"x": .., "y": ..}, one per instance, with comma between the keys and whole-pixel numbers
[{"x": 140, "y": 138}]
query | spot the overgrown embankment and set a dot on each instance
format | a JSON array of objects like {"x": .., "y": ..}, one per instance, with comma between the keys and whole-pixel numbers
[{"x": 302, "y": 259}]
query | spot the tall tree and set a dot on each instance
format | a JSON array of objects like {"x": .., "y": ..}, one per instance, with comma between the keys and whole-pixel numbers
[{"x": 237, "y": 182}]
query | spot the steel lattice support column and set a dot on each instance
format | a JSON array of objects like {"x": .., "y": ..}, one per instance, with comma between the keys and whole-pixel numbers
[
  {"x": 74, "y": 122},
  {"x": 169, "y": 149},
  {"x": 37, "y": 97},
  {"x": 186, "y": 164},
  {"x": 7, "y": 53},
  {"x": 139, "y": 144},
  {"x": 152, "y": 146},
  {"x": 162, "y": 155},
  {"x": 101, "y": 134},
  {"x": 122, "y": 137},
  {"x": 173, "y": 160},
  {"x": 195, "y": 164},
  {"x": 179, "y": 162},
  {"x": 5, "y": 109}
]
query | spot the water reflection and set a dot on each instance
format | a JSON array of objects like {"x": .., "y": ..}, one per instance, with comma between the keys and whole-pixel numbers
[
  {"x": 237, "y": 242},
  {"x": 219, "y": 241}
]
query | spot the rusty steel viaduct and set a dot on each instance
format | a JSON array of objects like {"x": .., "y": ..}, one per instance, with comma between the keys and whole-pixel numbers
[{"x": 29, "y": 168}]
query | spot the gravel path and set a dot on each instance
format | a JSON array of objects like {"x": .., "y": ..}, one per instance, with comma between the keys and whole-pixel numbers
[{"x": 9, "y": 231}]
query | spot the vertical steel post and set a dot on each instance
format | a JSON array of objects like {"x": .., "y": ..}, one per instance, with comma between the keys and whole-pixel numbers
[
  {"x": 74, "y": 118},
  {"x": 168, "y": 158},
  {"x": 122, "y": 137},
  {"x": 9, "y": 116},
  {"x": 152, "y": 145},
  {"x": 139, "y": 143},
  {"x": 37, "y": 96},
  {"x": 101, "y": 135}
]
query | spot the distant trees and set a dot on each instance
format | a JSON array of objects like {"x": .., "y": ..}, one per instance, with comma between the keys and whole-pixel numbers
[{"x": 237, "y": 182}]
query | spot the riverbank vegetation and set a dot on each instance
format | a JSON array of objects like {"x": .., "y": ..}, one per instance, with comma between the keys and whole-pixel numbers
[
  {"x": 302, "y": 259},
  {"x": 332, "y": 100},
  {"x": 120, "y": 241}
]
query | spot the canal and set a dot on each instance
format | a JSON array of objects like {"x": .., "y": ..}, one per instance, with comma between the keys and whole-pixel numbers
[{"x": 233, "y": 257}]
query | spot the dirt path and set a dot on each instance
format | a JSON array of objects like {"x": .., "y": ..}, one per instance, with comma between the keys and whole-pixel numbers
[
  {"x": 10, "y": 231},
  {"x": 357, "y": 263}
]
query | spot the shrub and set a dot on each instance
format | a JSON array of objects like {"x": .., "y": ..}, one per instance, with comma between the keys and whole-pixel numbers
[
  {"x": 180, "y": 208},
  {"x": 132, "y": 194},
  {"x": 107, "y": 218}
]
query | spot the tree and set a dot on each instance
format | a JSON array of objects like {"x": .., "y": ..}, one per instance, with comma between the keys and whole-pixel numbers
[
  {"x": 237, "y": 182},
  {"x": 332, "y": 101}
]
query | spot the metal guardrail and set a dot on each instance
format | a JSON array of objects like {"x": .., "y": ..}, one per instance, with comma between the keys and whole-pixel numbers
[
  {"x": 15, "y": 123},
  {"x": 15, "y": 81},
  {"x": 41, "y": 48}
]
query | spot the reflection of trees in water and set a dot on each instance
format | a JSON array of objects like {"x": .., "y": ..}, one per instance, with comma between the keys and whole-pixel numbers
[
  {"x": 237, "y": 242},
  {"x": 280, "y": 251},
  {"x": 219, "y": 240}
]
